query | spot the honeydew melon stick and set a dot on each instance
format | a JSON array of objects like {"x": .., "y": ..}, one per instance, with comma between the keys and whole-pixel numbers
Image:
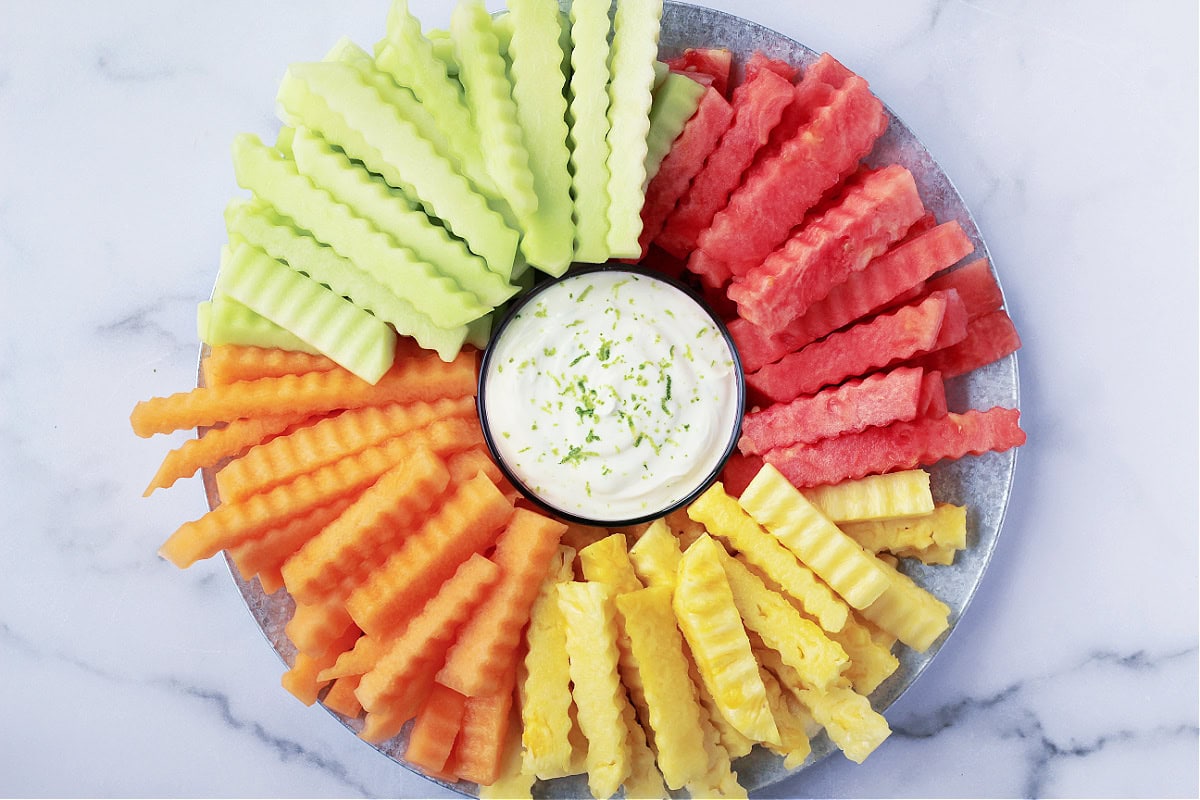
[
  {"x": 588, "y": 119},
  {"x": 661, "y": 71},
  {"x": 351, "y": 336},
  {"x": 260, "y": 225},
  {"x": 503, "y": 25},
  {"x": 634, "y": 54},
  {"x": 675, "y": 101},
  {"x": 224, "y": 320},
  {"x": 333, "y": 100},
  {"x": 443, "y": 49},
  {"x": 482, "y": 71},
  {"x": 538, "y": 85},
  {"x": 392, "y": 213},
  {"x": 276, "y": 180}
]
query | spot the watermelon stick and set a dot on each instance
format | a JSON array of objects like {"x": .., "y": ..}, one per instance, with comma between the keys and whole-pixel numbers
[{"x": 588, "y": 117}]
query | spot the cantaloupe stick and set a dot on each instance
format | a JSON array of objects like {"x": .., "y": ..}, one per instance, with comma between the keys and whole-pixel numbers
[
  {"x": 709, "y": 620},
  {"x": 871, "y": 661},
  {"x": 896, "y": 494},
  {"x": 264, "y": 555},
  {"x": 230, "y": 363},
  {"x": 334, "y": 100},
  {"x": 634, "y": 52},
  {"x": 848, "y": 718},
  {"x": 388, "y": 508},
  {"x": 790, "y": 718},
  {"x": 230, "y": 524},
  {"x": 590, "y": 616},
  {"x": 725, "y": 518},
  {"x": 302, "y": 681},
  {"x": 415, "y": 61},
  {"x": 314, "y": 626},
  {"x": 908, "y": 612},
  {"x": 481, "y": 70},
  {"x": 224, "y": 320},
  {"x": 839, "y": 561},
  {"x": 546, "y": 690},
  {"x": 588, "y": 135},
  {"x": 514, "y": 781},
  {"x": 466, "y": 523},
  {"x": 386, "y": 721},
  {"x": 487, "y": 645},
  {"x": 429, "y": 632},
  {"x": 340, "y": 698},
  {"x": 412, "y": 379},
  {"x": 478, "y": 749},
  {"x": 261, "y": 224},
  {"x": 285, "y": 457},
  {"x": 675, "y": 101},
  {"x": 390, "y": 210},
  {"x": 435, "y": 728},
  {"x": 214, "y": 446},
  {"x": 644, "y": 779},
  {"x": 674, "y": 711},
  {"x": 358, "y": 660},
  {"x": 801, "y": 643},
  {"x": 538, "y": 88},
  {"x": 931, "y": 538},
  {"x": 270, "y": 580},
  {"x": 655, "y": 556}
]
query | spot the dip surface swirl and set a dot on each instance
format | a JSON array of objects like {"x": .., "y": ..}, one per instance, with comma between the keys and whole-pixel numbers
[{"x": 611, "y": 395}]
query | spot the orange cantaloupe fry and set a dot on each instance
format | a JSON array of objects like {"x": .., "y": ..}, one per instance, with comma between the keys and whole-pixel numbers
[
  {"x": 486, "y": 647},
  {"x": 388, "y": 508},
  {"x": 479, "y": 748},
  {"x": 302, "y": 679},
  {"x": 216, "y": 445},
  {"x": 270, "y": 580},
  {"x": 313, "y": 628},
  {"x": 285, "y": 457},
  {"x": 414, "y": 377},
  {"x": 358, "y": 660},
  {"x": 230, "y": 524},
  {"x": 385, "y": 722},
  {"x": 435, "y": 729},
  {"x": 468, "y": 522},
  {"x": 340, "y": 697},
  {"x": 429, "y": 633},
  {"x": 268, "y": 552},
  {"x": 230, "y": 363}
]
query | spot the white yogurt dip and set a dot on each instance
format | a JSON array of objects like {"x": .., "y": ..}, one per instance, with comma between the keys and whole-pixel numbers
[{"x": 611, "y": 396}]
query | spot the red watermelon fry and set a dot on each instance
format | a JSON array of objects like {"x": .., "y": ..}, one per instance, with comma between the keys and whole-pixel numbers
[
  {"x": 932, "y": 402},
  {"x": 975, "y": 284},
  {"x": 713, "y": 273},
  {"x": 775, "y": 195},
  {"x": 902, "y": 445},
  {"x": 713, "y": 63},
  {"x": 954, "y": 324},
  {"x": 887, "y": 339},
  {"x": 760, "y": 61},
  {"x": 687, "y": 156},
  {"x": 874, "y": 401},
  {"x": 989, "y": 338},
  {"x": 814, "y": 91},
  {"x": 757, "y": 107},
  {"x": 739, "y": 470},
  {"x": 826, "y": 251}
]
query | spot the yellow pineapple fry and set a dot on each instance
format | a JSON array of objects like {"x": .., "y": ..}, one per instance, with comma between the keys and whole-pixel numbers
[
  {"x": 589, "y": 612},
  {"x": 837, "y": 559},
  {"x": 656, "y": 555},
  {"x": 546, "y": 690},
  {"x": 706, "y": 613},
  {"x": 933, "y": 538},
  {"x": 725, "y": 518},
  {"x": 673, "y": 712},
  {"x": 951, "y": 528},
  {"x": 908, "y": 612},
  {"x": 686, "y": 529},
  {"x": 514, "y": 783},
  {"x": 644, "y": 781},
  {"x": 871, "y": 661},
  {"x": 848, "y": 718},
  {"x": 800, "y": 642},
  {"x": 735, "y": 743},
  {"x": 607, "y": 561},
  {"x": 720, "y": 779},
  {"x": 896, "y": 494},
  {"x": 793, "y": 722}
]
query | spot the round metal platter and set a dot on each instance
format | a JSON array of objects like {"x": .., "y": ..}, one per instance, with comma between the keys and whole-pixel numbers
[{"x": 982, "y": 483}]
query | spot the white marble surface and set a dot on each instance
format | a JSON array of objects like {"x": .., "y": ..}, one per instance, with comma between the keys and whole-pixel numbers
[{"x": 1069, "y": 128}]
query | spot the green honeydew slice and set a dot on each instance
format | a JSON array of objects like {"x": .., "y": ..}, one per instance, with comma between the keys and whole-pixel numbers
[
  {"x": 588, "y": 116},
  {"x": 675, "y": 101},
  {"x": 224, "y": 320}
]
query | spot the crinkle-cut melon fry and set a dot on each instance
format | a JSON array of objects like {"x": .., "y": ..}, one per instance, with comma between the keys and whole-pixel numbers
[
  {"x": 261, "y": 224},
  {"x": 634, "y": 51},
  {"x": 725, "y": 518},
  {"x": 801, "y": 643},
  {"x": 231, "y": 524},
  {"x": 908, "y": 612},
  {"x": 340, "y": 698},
  {"x": 468, "y": 522},
  {"x": 264, "y": 555},
  {"x": 871, "y": 661},
  {"x": 313, "y": 627},
  {"x": 487, "y": 646},
  {"x": 896, "y": 494},
  {"x": 709, "y": 619},
  {"x": 656, "y": 650},
  {"x": 477, "y": 751},
  {"x": 223, "y": 320},
  {"x": 655, "y": 555},
  {"x": 352, "y": 431},
  {"x": 849, "y": 720},
  {"x": 590, "y": 616},
  {"x": 302, "y": 680},
  {"x": 214, "y": 446},
  {"x": 358, "y": 660},
  {"x": 384, "y": 722},
  {"x": 434, "y": 729},
  {"x": 794, "y": 744},
  {"x": 411, "y": 379},
  {"x": 675, "y": 101},
  {"x": 430, "y": 632},
  {"x": 482, "y": 72},
  {"x": 386, "y": 509},
  {"x": 546, "y": 689},
  {"x": 588, "y": 135},
  {"x": 230, "y": 363},
  {"x": 839, "y": 561}
]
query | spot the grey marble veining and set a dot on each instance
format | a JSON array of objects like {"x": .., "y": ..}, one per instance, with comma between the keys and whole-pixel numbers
[{"x": 1069, "y": 129}]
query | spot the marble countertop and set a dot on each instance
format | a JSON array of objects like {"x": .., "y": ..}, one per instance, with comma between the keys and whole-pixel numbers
[{"x": 1069, "y": 128}]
